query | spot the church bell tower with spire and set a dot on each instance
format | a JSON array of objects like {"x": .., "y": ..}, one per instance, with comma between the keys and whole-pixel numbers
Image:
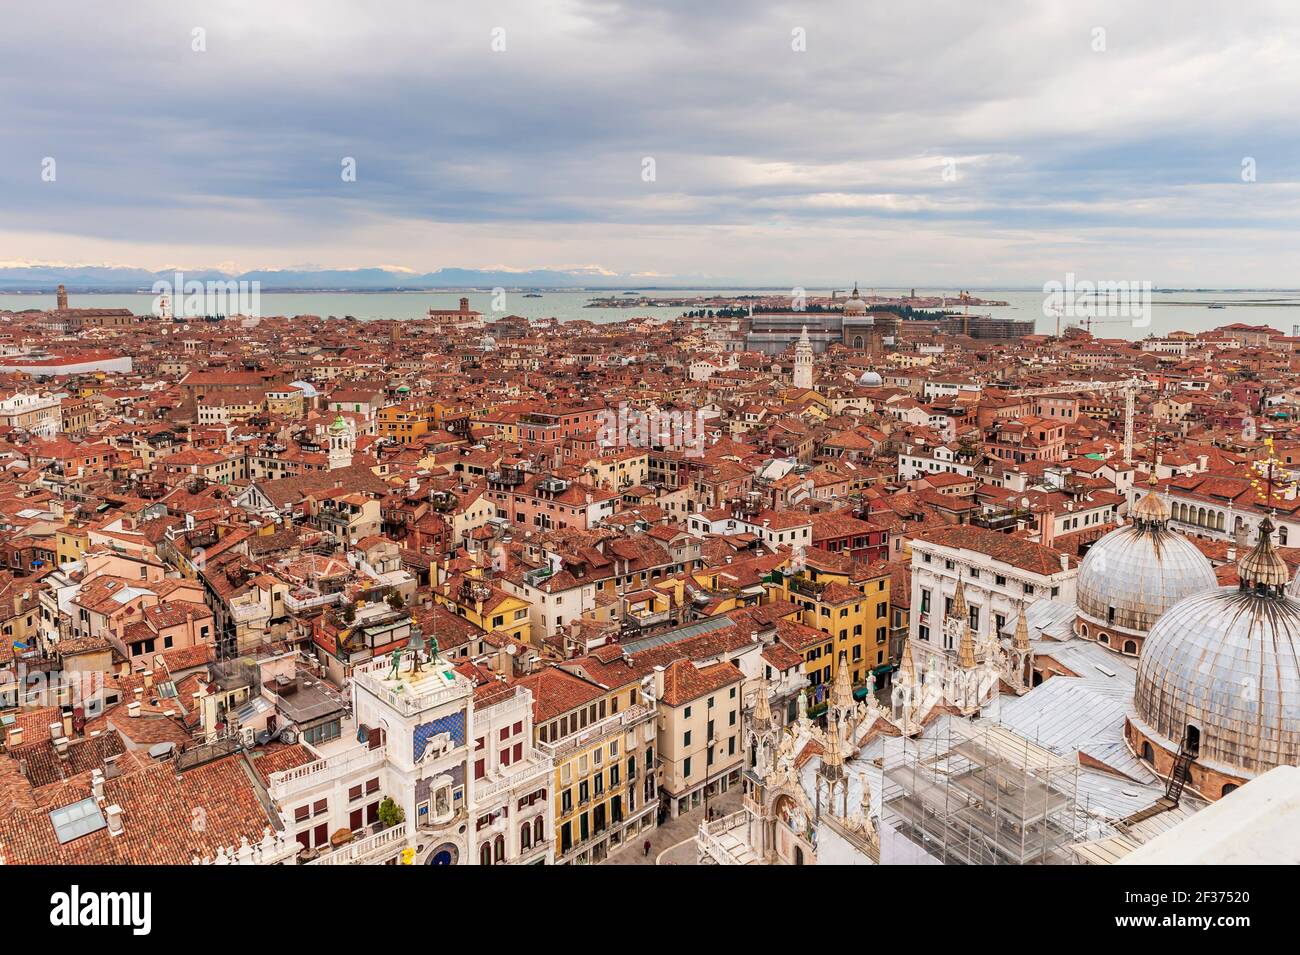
[{"x": 803, "y": 362}]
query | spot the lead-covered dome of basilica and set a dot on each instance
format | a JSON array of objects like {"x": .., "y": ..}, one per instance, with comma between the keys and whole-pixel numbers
[
  {"x": 1134, "y": 574},
  {"x": 1221, "y": 670}
]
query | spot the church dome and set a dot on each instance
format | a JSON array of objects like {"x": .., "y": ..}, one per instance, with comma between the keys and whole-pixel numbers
[
  {"x": 871, "y": 379},
  {"x": 1223, "y": 668},
  {"x": 854, "y": 304},
  {"x": 1137, "y": 572}
]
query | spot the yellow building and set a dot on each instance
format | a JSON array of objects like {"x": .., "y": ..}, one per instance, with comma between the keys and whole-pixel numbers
[
  {"x": 617, "y": 471},
  {"x": 602, "y": 742},
  {"x": 70, "y": 543},
  {"x": 485, "y": 605},
  {"x": 288, "y": 401},
  {"x": 19, "y": 612},
  {"x": 504, "y": 423},
  {"x": 406, "y": 422},
  {"x": 852, "y": 610}
]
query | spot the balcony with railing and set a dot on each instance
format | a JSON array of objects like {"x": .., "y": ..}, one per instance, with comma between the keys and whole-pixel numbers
[
  {"x": 358, "y": 759},
  {"x": 370, "y": 850},
  {"x": 1001, "y": 519},
  {"x": 725, "y": 841},
  {"x": 598, "y": 731},
  {"x": 806, "y": 586},
  {"x": 307, "y": 601},
  {"x": 535, "y": 765},
  {"x": 411, "y": 693}
]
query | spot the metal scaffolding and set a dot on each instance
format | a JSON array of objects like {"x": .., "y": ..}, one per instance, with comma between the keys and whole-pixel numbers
[{"x": 976, "y": 793}]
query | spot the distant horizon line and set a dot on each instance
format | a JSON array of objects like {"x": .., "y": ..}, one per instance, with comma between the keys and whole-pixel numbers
[{"x": 51, "y": 288}]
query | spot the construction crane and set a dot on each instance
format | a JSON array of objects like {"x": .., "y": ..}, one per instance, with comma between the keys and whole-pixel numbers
[
  {"x": 1088, "y": 321},
  {"x": 1129, "y": 387}
]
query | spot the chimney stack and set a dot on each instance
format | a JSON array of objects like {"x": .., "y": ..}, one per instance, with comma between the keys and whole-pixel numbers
[
  {"x": 114, "y": 816},
  {"x": 133, "y": 708},
  {"x": 16, "y": 736}
]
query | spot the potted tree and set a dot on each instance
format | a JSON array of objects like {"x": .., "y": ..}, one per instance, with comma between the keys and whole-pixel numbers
[{"x": 390, "y": 814}]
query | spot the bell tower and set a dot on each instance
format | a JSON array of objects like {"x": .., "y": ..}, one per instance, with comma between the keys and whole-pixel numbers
[
  {"x": 803, "y": 362},
  {"x": 341, "y": 443}
]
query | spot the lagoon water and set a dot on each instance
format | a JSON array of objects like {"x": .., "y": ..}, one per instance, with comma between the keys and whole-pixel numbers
[{"x": 1171, "y": 310}]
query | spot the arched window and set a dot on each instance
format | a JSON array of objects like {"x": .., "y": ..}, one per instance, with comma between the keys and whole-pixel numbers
[
  {"x": 1193, "y": 738},
  {"x": 1083, "y": 628},
  {"x": 1148, "y": 754},
  {"x": 499, "y": 849},
  {"x": 1227, "y": 788},
  {"x": 539, "y": 831},
  {"x": 485, "y": 854},
  {"x": 525, "y": 836},
  {"x": 1131, "y": 647},
  {"x": 1103, "y": 638}
]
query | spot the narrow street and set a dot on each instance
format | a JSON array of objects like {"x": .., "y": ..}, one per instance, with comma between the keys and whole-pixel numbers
[{"x": 673, "y": 843}]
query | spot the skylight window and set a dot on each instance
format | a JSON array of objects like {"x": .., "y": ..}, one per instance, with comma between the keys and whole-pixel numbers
[{"x": 79, "y": 819}]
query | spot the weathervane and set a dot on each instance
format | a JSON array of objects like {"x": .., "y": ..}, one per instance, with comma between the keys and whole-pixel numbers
[{"x": 1266, "y": 477}]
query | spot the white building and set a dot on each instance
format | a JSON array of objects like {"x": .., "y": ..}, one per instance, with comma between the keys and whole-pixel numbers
[
  {"x": 471, "y": 787},
  {"x": 513, "y": 814},
  {"x": 409, "y": 742},
  {"x": 919, "y": 461},
  {"x": 37, "y": 414},
  {"x": 999, "y": 574}
]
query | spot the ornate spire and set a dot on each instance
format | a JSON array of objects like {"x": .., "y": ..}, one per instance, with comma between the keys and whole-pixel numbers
[
  {"x": 959, "y": 611},
  {"x": 762, "y": 718},
  {"x": 1152, "y": 510},
  {"x": 966, "y": 649},
  {"x": 1262, "y": 570},
  {"x": 959, "y": 619},
  {"x": 832, "y": 758},
  {"x": 1021, "y": 641},
  {"x": 842, "y": 690},
  {"x": 906, "y": 669}
]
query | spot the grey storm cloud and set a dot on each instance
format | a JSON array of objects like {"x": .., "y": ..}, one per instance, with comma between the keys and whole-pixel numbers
[{"x": 1130, "y": 145}]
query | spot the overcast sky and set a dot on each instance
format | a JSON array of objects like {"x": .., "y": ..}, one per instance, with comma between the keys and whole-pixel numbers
[{"x": 1115, "y": 155}]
